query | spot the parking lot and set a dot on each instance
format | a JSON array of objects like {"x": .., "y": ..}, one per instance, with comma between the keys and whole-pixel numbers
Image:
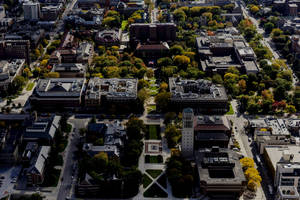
[{"x": 8, "y": 178}]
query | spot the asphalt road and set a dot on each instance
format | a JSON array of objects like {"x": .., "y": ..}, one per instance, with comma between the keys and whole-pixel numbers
[
  {"x": 66, "y": 183},
  {"x": 70, "y": 160}
]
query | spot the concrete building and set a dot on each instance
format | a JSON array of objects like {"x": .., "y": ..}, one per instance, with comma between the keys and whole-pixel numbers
[
  {"x": 220, "y": 173},
  {"x": 292, "y": 9},
  {"x": 202, "y": 95},
  {"x": 152, "y": 51},
  {"x": 113, "y": 134},
  {"x": 15, "y": 49},
  {"x": 70, "y": 70},
  {"x": 219, "y": 52},
  {"x": 31, "y": 11},
  {"x": 293, "y": 125},
  {"x": 110, "y": 91},
  {"x": 284, "y": 164},
  {"x": 108, "y": 37},
  {"x": 269, "y": 131},
  {"x": 9, "y": 71},
  {"x": 58, "y": 93},
  {"x": 51, "y": 12},
  {"x": 9, "y": 146},
  {"x": 35, "y": 173},
  {"x": 85, "y": 53},
  {"x": 42, "y": 130},
  {"x": 152, "y": 33},
  {"x": 90, "y": 17},
  {"x": 187, "y": 140},
  {"x": 200, "y": 132},
  {"x": 212, "y": 131}
]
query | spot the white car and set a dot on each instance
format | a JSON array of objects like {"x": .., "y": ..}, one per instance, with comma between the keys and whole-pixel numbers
[{"x": 235, "y": 149}]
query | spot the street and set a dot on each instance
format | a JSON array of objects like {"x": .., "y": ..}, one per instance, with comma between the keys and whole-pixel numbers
[
  {"x": 67, "y": 177},
  {"x": 266, "y": 40},
  {"x": 239, "y": 123}
]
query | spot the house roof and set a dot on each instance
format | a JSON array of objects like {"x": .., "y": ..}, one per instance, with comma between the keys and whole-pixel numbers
[
  {"x": 162, "y": 46},
  {"x": 38, "y": 164}
]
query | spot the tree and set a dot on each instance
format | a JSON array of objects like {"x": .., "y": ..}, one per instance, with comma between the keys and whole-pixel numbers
[
  {"x": 182, "y": 60},
  {"x": 135, "y": 128},
  {"x": 242, "y": 85},
  {"x": 217, "y": 78},
  {"x": 169, "y": 116},
  {"x": 52, "y": 75},
  {"x": 180, "y": 175},
  {"x": 269, "y": 27},
  {"x": 18, "y": 83},
  {"x": 276, "y": 32},
  {"x": 26, "y": 72},
  {"x": 163, "y": 86},
  {"x": 291, "y": 109},
  {"x": 176, "y": 50},
  {"x": 252, "y": 185},
  {"x": 172, "y": 135},
  {"x": 208, "y": 15},
  {"x": 150, "y": 73},
  {"x": 44, "y": 62},
  {"x": 142, "y": 83},
  {"x": 247, "y": 162},
  {"x": 252, "y": 174},
  {"x": 179, "y": 15},
  {"x": 162, "y": 100},
  {"x": 164, "y": 62},
  {"x": 280, "y": 93},
  {"x": 143, "y": 95},
  {"x": 254, "y": 9},
  {"x": 101, "y": 160}
]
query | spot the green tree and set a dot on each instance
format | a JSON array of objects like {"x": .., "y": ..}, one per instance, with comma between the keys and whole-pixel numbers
[
  {"x": 135, "y": 128},
  {"x": 162, "y": 100},
  {"x": 172, "y": 135},
  {"x": 176, "y": 50},
  {"x": 217, "y": 78},
  {"x": 142, "y": 95}
]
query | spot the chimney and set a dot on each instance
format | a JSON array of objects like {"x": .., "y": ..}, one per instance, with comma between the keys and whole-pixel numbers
[{"x": 287, "y": 156}]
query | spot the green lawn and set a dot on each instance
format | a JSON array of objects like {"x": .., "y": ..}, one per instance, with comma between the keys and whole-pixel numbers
[
  {"x": 153, "y": 159},
  {"x": 163, "y": 181},
  {"x": 151, "y": 108},
  {"x": 154, "y": 173},
  {"x": 29, "y": 86},
  {"x": 153, "y": 92},
  {"x": 155, "y": 192},
  {"x": 152, "y": 132},
  {"x": 146, "y": 180},
  {"x": 230, "y": 112},
  {"x": 153, "y": 88},
  {"x": 124, "y": 24}
]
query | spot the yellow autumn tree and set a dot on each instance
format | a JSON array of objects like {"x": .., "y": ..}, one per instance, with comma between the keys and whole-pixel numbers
[{"x": 247, "y": 163}]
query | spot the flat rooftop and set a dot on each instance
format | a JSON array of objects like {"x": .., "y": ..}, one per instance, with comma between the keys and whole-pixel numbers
[
  {"x": 278, "y": 126},
  {"x": 113, "y": 88},
  {"x": 196, "y": 90},
  {"x": 59, "y": 87},
  {"x": 219, "y": 167},
  {"x": 275, "y": 153}
]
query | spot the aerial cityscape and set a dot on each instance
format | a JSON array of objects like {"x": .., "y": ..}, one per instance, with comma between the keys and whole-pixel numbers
[{"x": 149, "y": 99}]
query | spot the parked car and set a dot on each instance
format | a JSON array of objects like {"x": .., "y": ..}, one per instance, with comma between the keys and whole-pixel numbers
[{"x": 236, "y": 149}]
